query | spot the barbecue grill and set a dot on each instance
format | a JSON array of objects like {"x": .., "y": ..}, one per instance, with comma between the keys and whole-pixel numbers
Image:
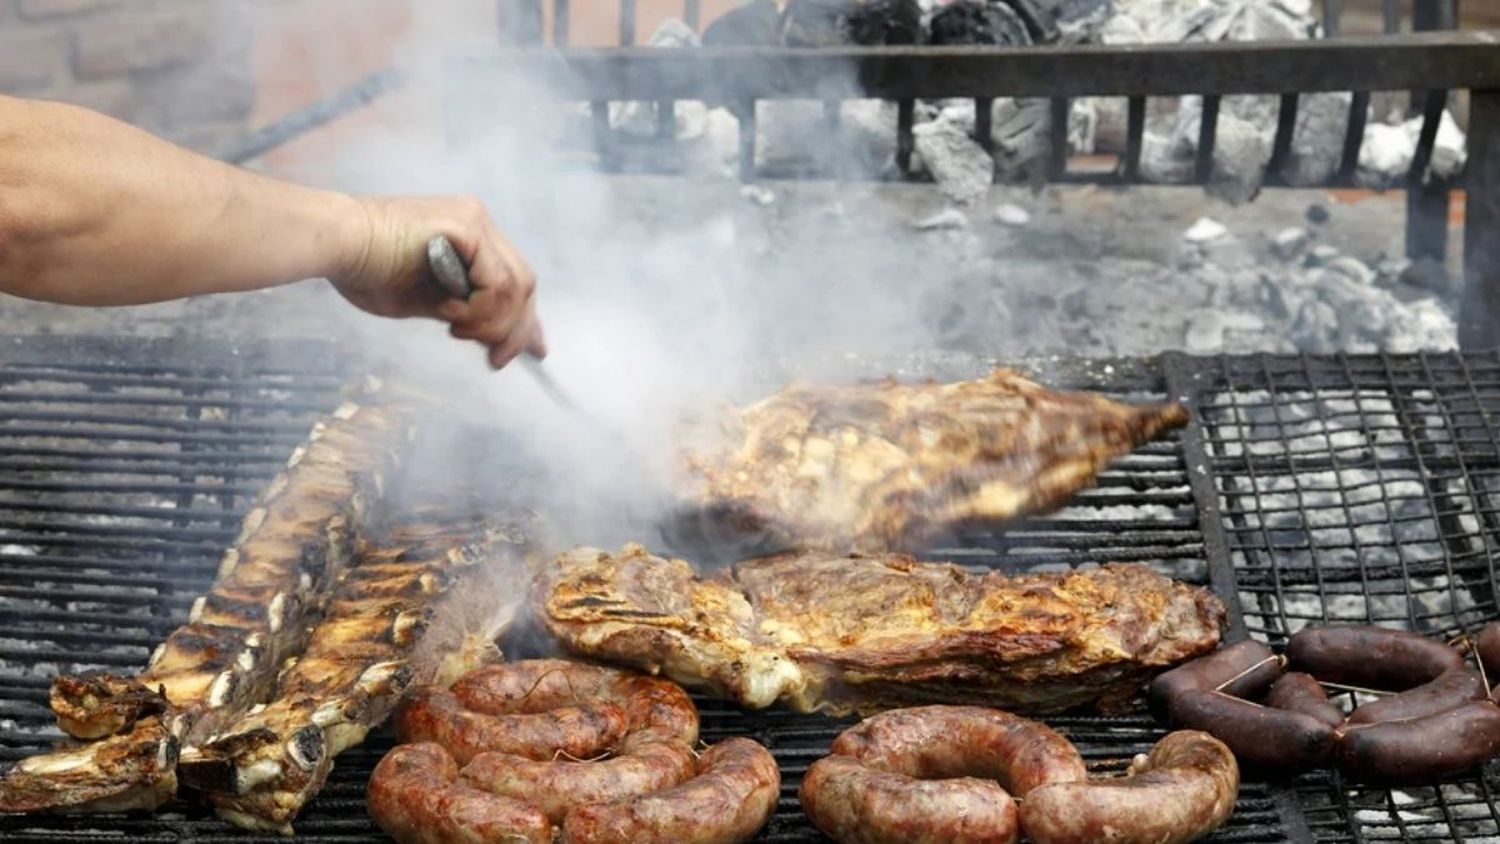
[{"x": 1306, "y": 490}]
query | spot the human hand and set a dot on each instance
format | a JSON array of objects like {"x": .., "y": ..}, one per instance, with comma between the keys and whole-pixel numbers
[{"x": 384, "y": 271}]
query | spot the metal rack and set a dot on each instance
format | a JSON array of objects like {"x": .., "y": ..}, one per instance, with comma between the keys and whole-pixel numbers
[{"x": 121, "y": 478}]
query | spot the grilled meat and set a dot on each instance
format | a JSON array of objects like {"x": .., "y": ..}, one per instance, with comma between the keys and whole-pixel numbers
[
  {"x": 886, "y": 466},
  {"x": 296, "y": 538},
  {"x": 854, "y": 633},
  {"x": 260, "y": 770}
]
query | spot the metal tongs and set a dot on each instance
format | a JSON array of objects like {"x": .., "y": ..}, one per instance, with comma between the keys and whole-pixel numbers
[{"x": 453, "y": 276}]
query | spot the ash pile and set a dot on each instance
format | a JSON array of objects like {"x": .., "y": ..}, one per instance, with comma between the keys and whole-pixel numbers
[
  {"x": 793, "y": 136},
  {"x": 1220, "y": 289}
]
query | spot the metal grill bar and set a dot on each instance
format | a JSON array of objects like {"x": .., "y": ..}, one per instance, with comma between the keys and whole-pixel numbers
[{"x": 1348, "y": 488}]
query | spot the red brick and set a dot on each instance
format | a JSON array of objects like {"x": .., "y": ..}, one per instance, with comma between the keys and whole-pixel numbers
[
  {"x": 121, "y": 44},
  {"x": 41, "y": 9},
  {"x": 31, "y": 57}
]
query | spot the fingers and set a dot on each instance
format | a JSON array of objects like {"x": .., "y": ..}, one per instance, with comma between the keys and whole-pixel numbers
[{"x": 501, "y": 313}]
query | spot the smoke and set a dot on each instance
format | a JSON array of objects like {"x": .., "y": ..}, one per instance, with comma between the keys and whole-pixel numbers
[{"x": 662, "y": 297}]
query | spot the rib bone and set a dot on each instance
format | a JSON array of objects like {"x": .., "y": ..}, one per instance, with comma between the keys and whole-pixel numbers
[
  {"x": 263, "y": 768},
  {"x": 292, "y": 545}
]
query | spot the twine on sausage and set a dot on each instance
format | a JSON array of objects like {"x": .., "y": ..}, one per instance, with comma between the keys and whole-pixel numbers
[
  {"x": 572, "y": 690},
  {"x": 1273, "y": 658},
  {"x": 1340, "y": 687}
]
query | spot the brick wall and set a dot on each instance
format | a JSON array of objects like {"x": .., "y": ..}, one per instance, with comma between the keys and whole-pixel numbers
[{"x": 176, "y": 67}]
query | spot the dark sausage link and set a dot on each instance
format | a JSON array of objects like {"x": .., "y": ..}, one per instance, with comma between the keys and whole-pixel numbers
[
  {"x": 1424, "y": 750},
  {"x": 1372, "y": 657},
  {"x": 1271, "y": 740},
  {"x": 1185, "y": 788},
  {"x": 1452, "y": 689},
  {"x": 415, "y": 797},
  {"x": 583, "y": 731},
  {"x": 559, "y": 787},
  {"x": 731, "y": 798},
  {"x": 853, "y": 803},
  {"x": 938, "y": 742},
  {"x": 1300, "y": 692},
  {"x": 1487, "y": 648},
  {"x": 1243, "y": 669}
]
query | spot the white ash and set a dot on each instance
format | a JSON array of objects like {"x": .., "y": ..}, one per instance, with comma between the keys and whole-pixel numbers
[
  {"x": 948, "y": 218},
  {"x": 1204, "y": 230},
  {"x": 1387, "y": 153},
  {"x": 1015, "y": 216}
]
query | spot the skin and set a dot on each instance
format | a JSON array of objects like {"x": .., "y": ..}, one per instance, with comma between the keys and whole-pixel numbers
[{"x": 96, "y": 212}]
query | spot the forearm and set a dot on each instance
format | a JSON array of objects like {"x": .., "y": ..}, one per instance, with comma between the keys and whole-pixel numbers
[{"x": 95, "y": 212}]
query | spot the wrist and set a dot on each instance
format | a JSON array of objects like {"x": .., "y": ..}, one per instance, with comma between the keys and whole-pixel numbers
[{"x": 347, "y": 237}]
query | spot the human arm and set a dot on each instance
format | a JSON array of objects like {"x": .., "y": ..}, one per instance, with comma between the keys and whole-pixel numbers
[{"x": 96, "y": 212}]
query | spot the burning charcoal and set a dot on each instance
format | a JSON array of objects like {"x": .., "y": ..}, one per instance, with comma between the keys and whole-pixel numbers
[
  {"x": 1318, "y": 142},
  {"x": 1040, "y": 17},
  {"x": 1289, "y": 244},
  {"x": 821, "y": 23},
  {"x": 961, "y": 167},
  {"x": 978, "y": 22},
  {"x": 755, "y": 24}
]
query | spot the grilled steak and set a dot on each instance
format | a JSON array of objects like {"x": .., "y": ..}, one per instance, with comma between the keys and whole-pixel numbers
[
  {"x": 295, "y": 540},
  {"x": 887, "y": 466},
  {"x": 441, "y": 585},
  {"x": 854, "y": 633}
]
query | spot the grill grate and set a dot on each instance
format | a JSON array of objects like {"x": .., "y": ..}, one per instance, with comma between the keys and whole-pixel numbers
[{"x": 1350, "y": 489}]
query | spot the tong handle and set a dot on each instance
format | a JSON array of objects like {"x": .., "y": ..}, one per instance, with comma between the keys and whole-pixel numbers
[{"x": 448, "y": 268}]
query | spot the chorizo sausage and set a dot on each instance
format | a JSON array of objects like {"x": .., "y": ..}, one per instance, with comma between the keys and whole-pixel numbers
[
  {"x": 937, "y": 742},
  {"x": 1243, "y": 669},
  {"x": 1296, "y": 691},
  {"x": 416, "y": 797},
  {"x": 853, "y": 803},
  {"x": 582, "y": 731},
  {"x": 1452, "y": 689},
  {"x": 558, "y": 787},
  {"x": 730, "y": 799},
  {"x": 1422, "y": 750},
  {"x": 542, "y": 685},
  {"x": 1183, "y": 789},
  {"x": 1487, "y": 649},
  {"x": 1261, "y": 737},
  {"x": 1372, "y": 657}
]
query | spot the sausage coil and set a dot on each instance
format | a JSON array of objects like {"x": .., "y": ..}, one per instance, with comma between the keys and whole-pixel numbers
[
  {"x": 1299, "y": 692},
  {"x": 1183, "y": 789}
]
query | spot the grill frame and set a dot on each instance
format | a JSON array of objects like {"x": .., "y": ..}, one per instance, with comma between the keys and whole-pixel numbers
[{"x": 88, "y": 572}]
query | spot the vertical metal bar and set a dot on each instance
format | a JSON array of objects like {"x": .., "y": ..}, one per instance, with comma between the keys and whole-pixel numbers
[
  {"x": 627, "y": 23},
  {"x": 984, "y": 123},
  {"x": 1354, "y": 135},
  {"x": 560, "y": 23},
  {"x": 1135, "y": 138},
  {"x": 747, "y": 140},
  {"x": 1479, "y": 313},
  {"x": 906, "y": 142},
  {"x": 604, "y": 142},
  {"x": 1392, "y": 17},
  {"x": 1286, "y": 130},
  {"x": 1427, "y": 203},
  {"x": 1057, "y": 163},
  {"x": 1208, "y": 136},
  {"x": 833, "y": 146},
  {"x": 666, "y": 120},
  {"x": 521, "y": 22},
  {"x": 692, "y": 13},
  {"x": 1333, "y": 17},
  {"x": 1185, "y": 387}
]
